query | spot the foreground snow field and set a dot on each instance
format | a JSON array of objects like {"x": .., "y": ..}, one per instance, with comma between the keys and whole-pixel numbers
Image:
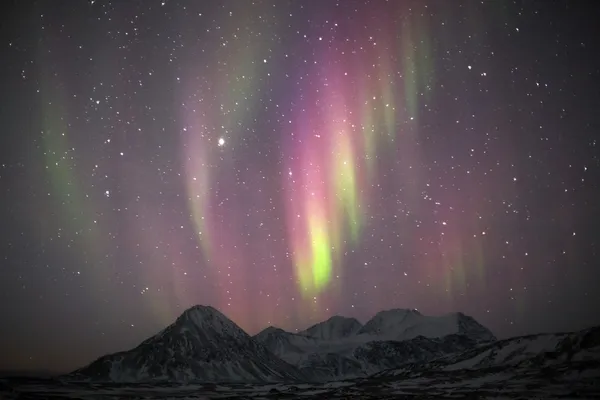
[{"x": 575, "y": 381}]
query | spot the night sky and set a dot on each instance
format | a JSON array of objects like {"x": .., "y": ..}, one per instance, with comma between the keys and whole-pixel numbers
[{"x": 286, "y": 161}]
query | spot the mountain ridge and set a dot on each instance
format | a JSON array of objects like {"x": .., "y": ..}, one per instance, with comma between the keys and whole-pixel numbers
[
  {"x": 203, "y": 345},
  {"x": 335, "y": 327}
]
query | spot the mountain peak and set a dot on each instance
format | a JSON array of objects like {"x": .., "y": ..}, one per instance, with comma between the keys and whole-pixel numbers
[
  {"x": 202, "y": 344},
  {"x": 403, "y": 324},
  {"x": 336, "y": 327},
  {"x": 339, "y": 318},
  {"x": 202, "y": 316},
  {"x": 270, "y": 330},
  {"x": 202, "y": 310},
  {"x": 468, "y": 326},
  {"x": 390, "y": 320}
]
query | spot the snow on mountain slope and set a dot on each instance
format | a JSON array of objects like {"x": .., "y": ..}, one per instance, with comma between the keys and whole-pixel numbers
[
  {"x": 380, "y": 355},
  {"x": 339, "y": 347},
  {"x": 391, "y": 321},
  {"x": 525, "y": 352},
  {"x": 564, "y": 365},
  {"x": 403, "y": 324},
  {"x": 541, "y": 350},
  {"x": 201, "y": 345},
  {"x": 204, "y": 345},
  {"x": 356, "y": 359},
  {"x": 334, "y": 328},
  {"x": 467, "y": 326},
  {"x": 324, "y": 367},
  {"x": 548, "y": 366},
  {"x": 356, "y": 356},
  {"x": 290, "y": 347}
]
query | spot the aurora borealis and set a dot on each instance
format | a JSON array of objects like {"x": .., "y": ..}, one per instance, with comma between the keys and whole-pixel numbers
[{"x": 286, "y": 161}]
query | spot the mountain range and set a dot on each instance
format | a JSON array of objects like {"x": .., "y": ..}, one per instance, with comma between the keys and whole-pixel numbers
[{"x": 203, "y": 345}]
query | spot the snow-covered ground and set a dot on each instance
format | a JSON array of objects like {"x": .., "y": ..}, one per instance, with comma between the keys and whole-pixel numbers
[{"x": 577, "y": 381}]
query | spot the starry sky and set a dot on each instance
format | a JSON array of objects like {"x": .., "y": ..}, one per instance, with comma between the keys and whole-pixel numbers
[{"x": 286, "y": 161}]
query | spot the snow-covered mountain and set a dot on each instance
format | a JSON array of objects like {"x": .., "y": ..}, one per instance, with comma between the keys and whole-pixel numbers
[
  {"x": 201, "y": 345},
  {"x": 403, "y": 324},
  {"x": 290, "y": 347},
  {"x": 576, "y": 351},
  {"x": 380, "y": 355},
  {"x": 204, "y": 345},
  {"x": 342, "y": 348},
  {"x": 334, "y": 328},
  {"x": 548, "y": 366}
]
